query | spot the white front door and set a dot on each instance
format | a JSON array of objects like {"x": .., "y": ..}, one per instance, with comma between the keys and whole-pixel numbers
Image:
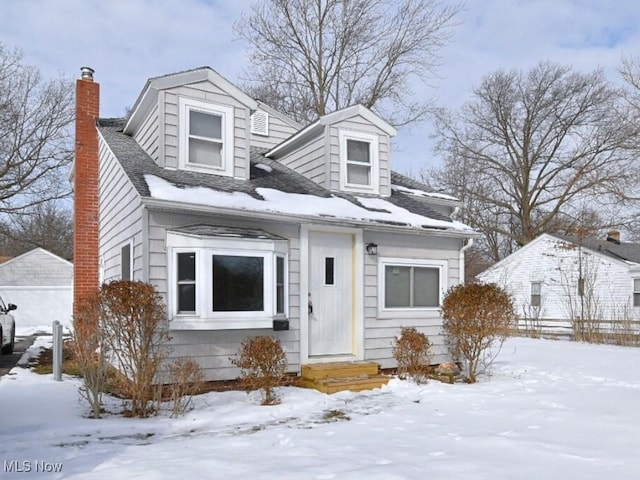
[{"x": 331, "y": 309}]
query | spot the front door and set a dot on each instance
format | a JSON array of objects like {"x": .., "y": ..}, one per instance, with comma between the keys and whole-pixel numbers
[{"x": 330, "y": 294}]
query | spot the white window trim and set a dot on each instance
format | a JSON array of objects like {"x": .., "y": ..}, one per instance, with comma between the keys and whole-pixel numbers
[
  {"x": 531, "y": 283},
  {"x": 122, "y": 245},
  {"x": 204, "y": 318},
  {"x": 406, "y": 312},
  {"x": 633, "y": 292},
  {"x": 185, "y": 106},
  {"x": 373, "y": 140}
]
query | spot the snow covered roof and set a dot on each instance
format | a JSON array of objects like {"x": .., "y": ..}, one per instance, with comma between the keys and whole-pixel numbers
[{"x": 272, "y": 189}]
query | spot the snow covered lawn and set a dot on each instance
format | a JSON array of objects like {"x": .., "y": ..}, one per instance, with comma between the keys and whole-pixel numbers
[{"x": 551, "y": 410}]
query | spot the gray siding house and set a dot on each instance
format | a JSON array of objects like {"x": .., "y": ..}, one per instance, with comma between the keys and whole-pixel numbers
[
  {"x": 40, "y": 284},
  {"x": 250, "y": 224}
]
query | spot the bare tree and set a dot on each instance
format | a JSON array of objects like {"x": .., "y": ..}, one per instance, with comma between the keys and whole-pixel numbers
[
  {"x": 311, "y": 57},
  {"x": 46, "y": 225},
  {"x": 35, "y": 135},
  {"x": 530, "y": 150}
]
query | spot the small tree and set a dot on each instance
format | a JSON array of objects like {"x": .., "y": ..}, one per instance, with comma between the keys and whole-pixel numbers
[
  {"x": 411, "y": 351},
  {"x": 263, "y": 365},
  {"x": 186, "y": 379},
  {"x": 89, "y": 350},
  {"x": 132, "y": 317},
  {"x": 476, "y": 316}
]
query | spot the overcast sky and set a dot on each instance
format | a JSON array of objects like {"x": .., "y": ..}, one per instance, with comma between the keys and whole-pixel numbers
[{"x": 128, "y": 41}]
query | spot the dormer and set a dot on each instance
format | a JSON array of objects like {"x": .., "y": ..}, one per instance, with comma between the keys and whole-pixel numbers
[
  {"x": 194, "y": 121},
  {"x": 345, "y": 151}
]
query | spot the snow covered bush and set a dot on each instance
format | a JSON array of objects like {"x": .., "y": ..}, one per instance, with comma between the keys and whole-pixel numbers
[
  {"x": 411, "y": 351},
  {"x": 263, "y": 365},
  {"x": 476, "y": 317}
]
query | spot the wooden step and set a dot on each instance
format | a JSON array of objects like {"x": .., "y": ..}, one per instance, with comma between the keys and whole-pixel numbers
[
  {"x": 353, "y": 384},
  {"x": 339, "y": 370}
]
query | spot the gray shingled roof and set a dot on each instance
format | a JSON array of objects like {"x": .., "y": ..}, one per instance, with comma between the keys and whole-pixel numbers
[
  {"x": 137, "y": 163},
  {"x": 625, "y": 251}
]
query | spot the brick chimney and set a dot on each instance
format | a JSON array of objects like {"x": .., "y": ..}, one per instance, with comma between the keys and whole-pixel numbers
[
  {"x": 85, "y": 186},
  {"x": 613, "y": 236}
]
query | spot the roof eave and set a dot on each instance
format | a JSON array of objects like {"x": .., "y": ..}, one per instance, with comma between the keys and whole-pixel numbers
[{"x": 170, "y": 205}]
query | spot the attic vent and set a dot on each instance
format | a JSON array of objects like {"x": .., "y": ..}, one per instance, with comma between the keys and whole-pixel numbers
[{"x": 260, "y": 123}]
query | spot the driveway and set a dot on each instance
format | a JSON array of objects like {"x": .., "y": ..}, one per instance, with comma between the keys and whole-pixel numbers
[{"x": 7, "y": 362}]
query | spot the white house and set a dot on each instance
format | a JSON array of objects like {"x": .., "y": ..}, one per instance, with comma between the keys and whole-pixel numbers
[
  {"x": 40, "y": 284},
  {"x": 250, "y": 224},
  {"x": 563, "y": 279}
]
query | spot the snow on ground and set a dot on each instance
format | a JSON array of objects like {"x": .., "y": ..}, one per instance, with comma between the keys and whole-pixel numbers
[{"x": 551, "y": 409}]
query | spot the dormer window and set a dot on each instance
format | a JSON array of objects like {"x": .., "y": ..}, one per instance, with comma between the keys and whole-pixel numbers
[
  {"x": 358, "y": 162},
  {"x": 206, "y": 137}
]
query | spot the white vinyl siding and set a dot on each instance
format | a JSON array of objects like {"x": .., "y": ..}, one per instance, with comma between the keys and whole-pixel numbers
[
  {"x": 120, "y": 219},
  {"x": 382, "y": 325},
  {"x": 214, "y": 99},
  {"x": 556, "y": 265},
  {"x": 213, "y": 348}
]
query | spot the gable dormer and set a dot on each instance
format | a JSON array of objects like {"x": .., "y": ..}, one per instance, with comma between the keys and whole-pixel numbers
[
  {"x": 345, "y": 151},
  {"x": 194, "y": 121}
]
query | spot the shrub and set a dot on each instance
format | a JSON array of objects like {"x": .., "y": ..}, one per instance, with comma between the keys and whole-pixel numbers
[
  {"x": 263, "y": 365},
  {"x": 131, "y": 324},
  {"x": 411, "y": 351},
  {"x": 186, "y": 377},
  {"x": 476, "y": 316},
  {"x": 88, "y": 350}
]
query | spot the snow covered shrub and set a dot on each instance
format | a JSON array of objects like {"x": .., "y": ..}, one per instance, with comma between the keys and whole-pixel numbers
[
  {"x": 263, "y": 365},
  {"x": 476, "y": 316},
  {"x": 88, "y": 350},
  {"x": 132, "y": 326},
  {"x": 186, "y": 379},
  {"x": 411, "y": 351}
]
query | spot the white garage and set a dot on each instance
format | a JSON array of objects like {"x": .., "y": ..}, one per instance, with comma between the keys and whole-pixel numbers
[{"x": 41, "y": 285}]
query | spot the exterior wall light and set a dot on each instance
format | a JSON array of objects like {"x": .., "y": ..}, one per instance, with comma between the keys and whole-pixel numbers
[{"x": 372, "y": 249}]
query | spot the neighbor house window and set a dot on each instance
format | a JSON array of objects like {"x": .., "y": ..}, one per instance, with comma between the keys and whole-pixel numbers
[
  {"x": 206, "y": 133},
  {"x": 126, "y": 262},
  {"x": 358, "y": 161},
  {"x": 636, "y": 292},
  {"x": 536, "y": 294},
  {"x": 227, "y": 282},
  {"x": 411, "y": 284}
]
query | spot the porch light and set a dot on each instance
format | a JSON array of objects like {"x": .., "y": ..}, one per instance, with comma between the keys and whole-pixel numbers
[{"x": 372, "y": 249}]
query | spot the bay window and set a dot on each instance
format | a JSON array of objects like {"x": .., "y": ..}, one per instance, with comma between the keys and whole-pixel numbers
[{"x": 226, "y": 282}]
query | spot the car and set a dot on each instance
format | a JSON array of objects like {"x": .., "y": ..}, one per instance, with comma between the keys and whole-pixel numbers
[{"x": 7, "y": 327}]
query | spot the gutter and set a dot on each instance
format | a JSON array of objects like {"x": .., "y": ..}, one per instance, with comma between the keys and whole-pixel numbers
[
  {"x": 182, "y": 207},
  {"x": 465, "y": 246}
]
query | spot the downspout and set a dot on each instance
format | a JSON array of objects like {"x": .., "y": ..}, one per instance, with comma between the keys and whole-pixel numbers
[{"x": 466, "y": 244}]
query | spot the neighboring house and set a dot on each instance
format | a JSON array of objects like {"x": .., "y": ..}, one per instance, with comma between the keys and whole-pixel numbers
[
  {"x": 41, "y": 285},
  {"x": 249, "y": 224},
  {"x": 563, "y": 279}
]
